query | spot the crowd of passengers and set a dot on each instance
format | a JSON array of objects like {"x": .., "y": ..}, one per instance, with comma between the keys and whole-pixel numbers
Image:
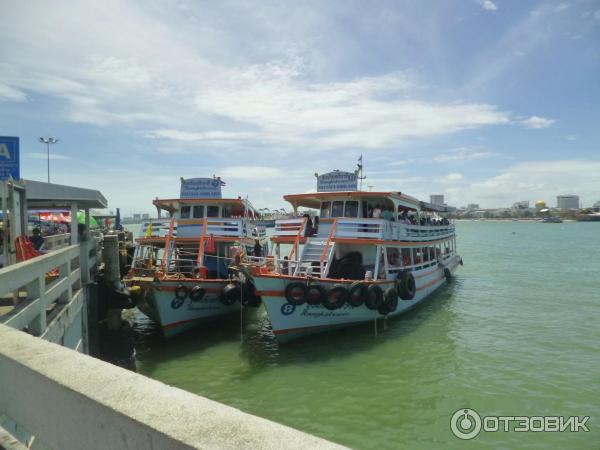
[{"x": 379, "y": 212}]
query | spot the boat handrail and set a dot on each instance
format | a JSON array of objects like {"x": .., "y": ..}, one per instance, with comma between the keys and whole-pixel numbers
[
  {"x": 331, "y": 233},
  {"x": 167, "y": 243},
  {"x": 288, "y": 227},
  {"x": 201, "y": 243},
  {"x": 298, "y": 236}
]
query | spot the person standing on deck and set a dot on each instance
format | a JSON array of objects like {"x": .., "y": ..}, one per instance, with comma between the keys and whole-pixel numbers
[{"x": 257, "y": 248}]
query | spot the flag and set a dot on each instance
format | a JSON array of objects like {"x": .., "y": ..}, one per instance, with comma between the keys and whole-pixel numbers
[{"x": 222, "y": 182}]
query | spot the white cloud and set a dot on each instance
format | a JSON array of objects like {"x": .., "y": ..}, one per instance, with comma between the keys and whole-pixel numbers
[
  {"x": 462, "y": 154},
  {"x": 534, "y": 180},
  {"x": 451, "y": 178},
  {"x": 537, "y": 122},
  {"x": 11, "y": 94},
  {"x": 198, "y": 83},
  {"x": 40, "y": 155},
  {"x": 251, "y": 173},
  {"x": 488, "y": 5}
]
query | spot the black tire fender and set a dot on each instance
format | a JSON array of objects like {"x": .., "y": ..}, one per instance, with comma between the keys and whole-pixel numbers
[
  {"x": 181, "y": 291},
  {"x": 357, "y": 294},
  {"x": 374, "y": 297},
  {"x": 407, "y": 286},
  {"x": 231, "y": 294},
  {"x": 315, "y": 294},
  {"x": 336, "y": 297},
  {"x": 197, "y": 293},
  {"x": 390, "y": 301},
  {"x": 296, "y": 293}
]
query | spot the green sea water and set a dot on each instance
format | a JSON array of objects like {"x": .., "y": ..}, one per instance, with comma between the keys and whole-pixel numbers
[{"x": 516, "y": 333}]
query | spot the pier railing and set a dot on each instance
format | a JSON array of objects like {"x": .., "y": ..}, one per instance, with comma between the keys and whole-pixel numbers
[
  {"x": 47, "y": 302},
  {"x": 57, "y": 241}
]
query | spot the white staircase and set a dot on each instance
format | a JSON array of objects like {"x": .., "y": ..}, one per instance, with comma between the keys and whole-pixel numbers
[{"x": 311, "y": 256}]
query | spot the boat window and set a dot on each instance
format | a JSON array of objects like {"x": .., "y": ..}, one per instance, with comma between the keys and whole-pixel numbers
[
  {"x": 226, "y": 211},
  {"x": 198, "y": 212},
  {"x": 351, "y": 209},
  {"x": 325, "y": 209},
  {"x": 212, "y": 211},
  {"x": 185, "y": 212},
  {"x": 337, "y": 210}
]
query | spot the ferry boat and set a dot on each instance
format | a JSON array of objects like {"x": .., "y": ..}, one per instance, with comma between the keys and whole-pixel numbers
[
  {"x": 373, "y": 255},
  {"x": 186, "y": 264}
]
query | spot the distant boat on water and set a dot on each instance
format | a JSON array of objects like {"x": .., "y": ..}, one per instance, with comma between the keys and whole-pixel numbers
[{"x": 552, "y": 219}]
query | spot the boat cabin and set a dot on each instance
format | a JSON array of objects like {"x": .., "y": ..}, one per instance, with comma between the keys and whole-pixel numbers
[
  {"x": 200, "y": 235},
  {"x": 352, "y": 234}
]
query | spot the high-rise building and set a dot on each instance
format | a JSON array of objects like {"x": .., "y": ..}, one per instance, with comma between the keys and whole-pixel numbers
[
  {"x": 137, "y": 217},
  {"x": 145, "y": 216},
  {"x": 567, "y": 201},
  {"x": 472, "y": 206},
  {"x": 436, "y": 199},
  {"x": 523, "y": 204}
]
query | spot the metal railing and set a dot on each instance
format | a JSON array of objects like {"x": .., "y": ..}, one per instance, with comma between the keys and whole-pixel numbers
[
  {"x": 46, "y": 305},
  {"x": 289, "y": 227}
]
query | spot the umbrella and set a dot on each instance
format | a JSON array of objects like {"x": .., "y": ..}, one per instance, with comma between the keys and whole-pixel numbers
[{"x": 81, "y": 219}]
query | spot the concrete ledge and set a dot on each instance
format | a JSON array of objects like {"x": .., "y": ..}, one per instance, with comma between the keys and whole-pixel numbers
[{"x": 73, "y": 401}]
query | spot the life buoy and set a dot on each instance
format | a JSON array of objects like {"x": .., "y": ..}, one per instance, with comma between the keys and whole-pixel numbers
[
  {"x": 374, "y": 297},
  {"x": 231, "y": 293},
  {"x": 315, "y": 294},
  {"x": 197, "y": 293},
  {"x": 358, "y": 294},
  {"x": 407, "y": 288},
  {"x": 295, "y": 293},
  {"x": 390, "y": 301},
  {"x": 447, "y": 274},
  {"x": 181, "y": 292},
  {"x": 336, "y": 297}
]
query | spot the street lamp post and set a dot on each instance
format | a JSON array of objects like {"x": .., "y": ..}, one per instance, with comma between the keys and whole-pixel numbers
[{"x": 48, "y": 141}]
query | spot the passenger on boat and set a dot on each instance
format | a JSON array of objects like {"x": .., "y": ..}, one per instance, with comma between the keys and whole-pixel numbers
[
  {"x": 387, "y": 215},
  {"x": 257, "y": 248},
  {"x": 376, "y": 212},
  {"x": 37, "y": 240},
  {"x": 315, "y": 228},
  {"x": 309, "y": 225}
]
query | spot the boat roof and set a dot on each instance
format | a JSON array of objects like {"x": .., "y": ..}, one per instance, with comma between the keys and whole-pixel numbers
[
  {"x": 314, "y": 199},
  {"x": 174, "y": 204}
]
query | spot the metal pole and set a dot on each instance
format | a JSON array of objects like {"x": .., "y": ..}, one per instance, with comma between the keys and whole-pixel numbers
[{"x": 48, "y": 148}]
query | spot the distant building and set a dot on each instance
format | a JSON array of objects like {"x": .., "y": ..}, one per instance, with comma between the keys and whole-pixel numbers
[
  {"x": 523, "y": 204},
  {"x": 597, "y": 204},
  {"x": 137, "y": 217},
  {"x": 567, "y": 201},
  {"x": 145, "y": 216},
  {"x": 472, "y": 206},
  {"x": 436, "y": 199},
  {"x": 540, "y": 204}
]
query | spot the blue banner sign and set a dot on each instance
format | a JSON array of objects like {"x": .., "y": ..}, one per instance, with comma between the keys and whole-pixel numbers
[
  {"x": 201, "y": 188},
  {"x": 9, "y": 158},
  {"x": 337, "y": 181}
]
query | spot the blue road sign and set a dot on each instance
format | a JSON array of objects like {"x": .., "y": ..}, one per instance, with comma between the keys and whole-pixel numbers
[{"x": 9, "y": 158}]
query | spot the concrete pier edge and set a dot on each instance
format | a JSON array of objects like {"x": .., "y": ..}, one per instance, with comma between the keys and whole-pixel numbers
[{"x": 69, "y": 400}]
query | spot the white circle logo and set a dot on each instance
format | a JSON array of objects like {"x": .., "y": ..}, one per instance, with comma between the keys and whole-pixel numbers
[{"x": 465, "y": 423}]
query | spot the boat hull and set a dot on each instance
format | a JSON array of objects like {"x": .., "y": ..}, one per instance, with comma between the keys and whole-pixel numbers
[
  {"x": 289, "y": 321},
  {"x": 175, "y": 316}
]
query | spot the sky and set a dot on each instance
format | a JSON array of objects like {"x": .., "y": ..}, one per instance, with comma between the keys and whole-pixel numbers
[{"x": 484, "y": 101}]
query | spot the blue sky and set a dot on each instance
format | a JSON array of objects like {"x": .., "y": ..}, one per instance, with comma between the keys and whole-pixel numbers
[{"x": 488, "y": 102}]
